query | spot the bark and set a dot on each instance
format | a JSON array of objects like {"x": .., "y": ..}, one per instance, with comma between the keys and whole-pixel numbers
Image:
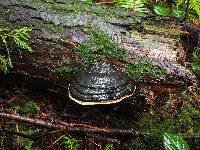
[{"x": 57, "y": 25}]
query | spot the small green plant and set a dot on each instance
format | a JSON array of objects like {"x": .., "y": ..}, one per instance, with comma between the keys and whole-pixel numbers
[
  {"x": 185, "y": 95},
  {"x": 138, "y": 69},
  {"x": 108, "y": 146},
  {"x": 7, "y": 37},
  {"x": 196, "y": 59},
  {"x": 30, "y": 108},
  {"x": 24, "y": 143},
  {"x": 188, "y": 116},
  {"x": 193, "y": 4},
  {"x": 167, "y": 11},
  {"x": 69, "y": 143},
  {"x": 136, "y": 5},
  {"x": 87, "y": 1},
  {"x": 161, "y": 10},
  {"x": 2, "y": 137},
  {"x": 22, "y": 107},
  {"x": 174, "y": 142},
  {"x": 179, "y": 9}
]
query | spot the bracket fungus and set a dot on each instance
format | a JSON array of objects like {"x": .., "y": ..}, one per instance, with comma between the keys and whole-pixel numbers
[{"x": 100, "y": 83}]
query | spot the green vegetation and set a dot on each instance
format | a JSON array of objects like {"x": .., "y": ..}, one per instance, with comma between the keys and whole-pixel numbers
[
  {"x": 52, "y": 27},
  {"x": 21, "y": 142},
  {"x": 7, "y": 37},
  {"x": 138, "y": 69},
  {"x": 87, "y": 9},
  {"x": 184, "y": 122},
  {"x": 160, "y": 124},
  {"x": 174, "y": 142},
  {"x": 68, "y": 143},
  {"x": 196, "y": 59},
  {"x": 29, "y": 107},
  {"x": 99, "y": 45},
  {"x": 108, "y": 146},
  {"x": 137, "y": 5},
  {"x": 2, "y": 137},
  {"x": 24, "y": 143},
  {"x": 192, "y": 4},
  {"x": 65, "y": 67},
  {"x": 179, "y": 8}
]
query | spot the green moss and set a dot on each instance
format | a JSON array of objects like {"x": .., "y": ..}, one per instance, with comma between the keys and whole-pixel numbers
[
  {"x": 68, "y": 143},
  {"x": 2, "y": 137},
  {"x": 24, "y": 107},
  {"x": 65, "y": 67},
  {"x": 185, "y": 122},
  {"x": 185, "y": 95},
  {"x": 25, "y": 143},
  {"x": 162, "y": 29},
  {"x": 196, "y": 60},
  {"x": 98, "y": 10},
  {"x": 188, "y": 117},
  {"x": 30, "y": 108},
  {"x": 100, "y": 45},
  {"x": 3, "y": 9},
  {"x": 52, "y": 27},
  {"x": 145, "y": 143},
  {"x": 138, "y": 69}
]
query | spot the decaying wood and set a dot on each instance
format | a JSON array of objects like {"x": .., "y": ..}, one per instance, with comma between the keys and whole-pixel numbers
[
  {"x": 51, "y": 45},
  {"x": 70, "y": 127}
]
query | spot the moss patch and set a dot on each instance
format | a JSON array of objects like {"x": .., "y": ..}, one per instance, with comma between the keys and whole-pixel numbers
[
  {"x": 98, "y": 10},
  {"x": 139, "y": 69},
  {"x": 22, "y": 107},
  {"x": 65, "y": 67},
  {"x": 100, "y": 45},
  {"x": 176, "y": 113},
  {"x": 52, "y": 27},
  {"x": 163, "y": 29},
  {"x": 186, "y": 122}
]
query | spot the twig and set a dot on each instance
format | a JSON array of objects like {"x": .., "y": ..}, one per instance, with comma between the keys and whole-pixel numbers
[{"x": 70, "y": 127}]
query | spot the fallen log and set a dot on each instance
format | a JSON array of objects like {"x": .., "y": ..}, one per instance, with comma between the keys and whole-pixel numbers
[{"x": 59, "y": 26}]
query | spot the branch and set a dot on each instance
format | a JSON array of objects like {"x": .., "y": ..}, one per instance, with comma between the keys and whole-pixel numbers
[{"x": 70, "y": 127}]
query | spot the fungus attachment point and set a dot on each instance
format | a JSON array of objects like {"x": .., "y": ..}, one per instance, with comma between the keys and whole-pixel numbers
[{"x": 100, "y": 83}]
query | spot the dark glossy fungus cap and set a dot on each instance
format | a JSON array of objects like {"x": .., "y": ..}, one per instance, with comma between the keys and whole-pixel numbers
[{"x": 100, "y": 83}]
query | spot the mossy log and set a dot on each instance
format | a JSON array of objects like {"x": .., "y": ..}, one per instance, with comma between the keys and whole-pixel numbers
[{"x": 59, "y": 25}]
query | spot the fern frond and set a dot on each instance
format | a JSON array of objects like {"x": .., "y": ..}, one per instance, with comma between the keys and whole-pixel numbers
[
  {"x": 195, "y": 4},
  {"x": 180, "y": 2},
  {"x": 20, "y": 38},
  {"x": 5, "y": 63},
  {"x": 22, "y": 44},
  {"x": 23, "y": 33},
  {"x": 136, "y": 5}
]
